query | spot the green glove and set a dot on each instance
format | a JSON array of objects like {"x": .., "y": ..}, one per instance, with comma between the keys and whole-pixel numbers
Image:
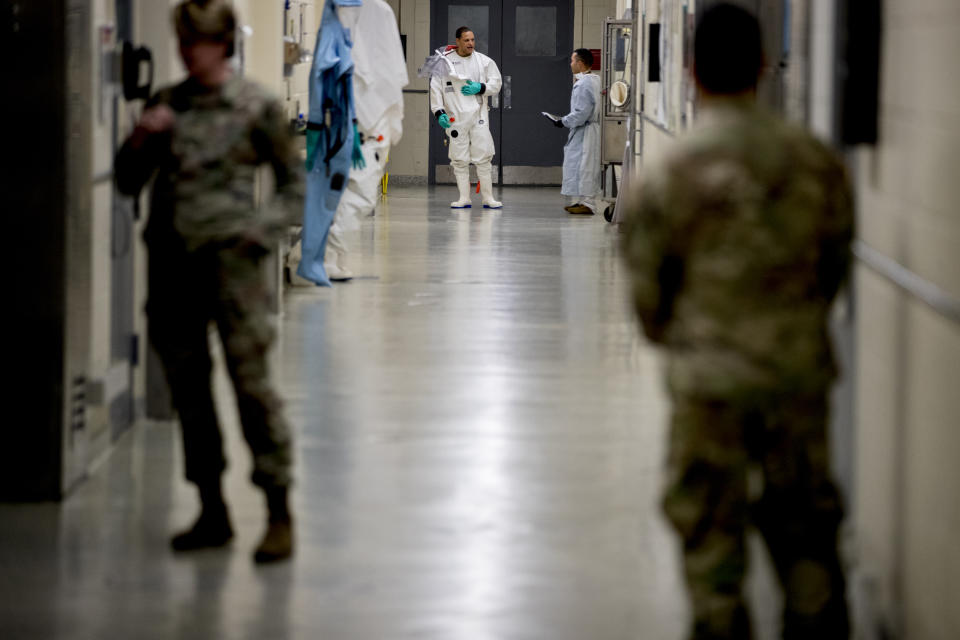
[
  {"x": 358, "y": 161},
  {"x": 471, "y": 88},
  {"x": 444, "y": 120},
  {"x": 313, "y": 146}
]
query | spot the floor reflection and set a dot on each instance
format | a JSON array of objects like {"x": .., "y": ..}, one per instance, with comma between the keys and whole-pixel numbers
[{"x": 479, "y": 437}]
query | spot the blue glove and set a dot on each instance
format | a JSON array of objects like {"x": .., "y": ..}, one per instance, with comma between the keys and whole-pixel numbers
[
  {"x": 471, "y": 88},
  {"x": 444, "y": 120},
  {"x": 358, "y": 161}
]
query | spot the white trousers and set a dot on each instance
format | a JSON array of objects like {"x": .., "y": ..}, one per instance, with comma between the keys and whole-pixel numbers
[{"x": 472, "y": 142}]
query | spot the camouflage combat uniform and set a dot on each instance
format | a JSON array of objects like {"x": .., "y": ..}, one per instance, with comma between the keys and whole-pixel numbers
[
  {"x": 738, "y": 243},
  {"x": 206, "y": 242}
]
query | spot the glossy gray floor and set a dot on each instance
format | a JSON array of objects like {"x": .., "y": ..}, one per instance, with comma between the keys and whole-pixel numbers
[{"x": 479, "y": 437}]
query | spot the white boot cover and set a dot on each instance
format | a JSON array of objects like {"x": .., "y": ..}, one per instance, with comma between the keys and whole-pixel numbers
[
  {"x": 486, "y": 186},
  {"x": 463, "y": 185}
]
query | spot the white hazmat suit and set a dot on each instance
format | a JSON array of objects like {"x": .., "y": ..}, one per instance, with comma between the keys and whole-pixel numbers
[
  {"x": 379, "y": 75},
  {"x": 581, "y": 153},
  {"x": 469, "y": 136}
]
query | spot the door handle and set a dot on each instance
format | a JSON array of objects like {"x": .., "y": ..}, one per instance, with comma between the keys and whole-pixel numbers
[{"x": 507, "y": 91}]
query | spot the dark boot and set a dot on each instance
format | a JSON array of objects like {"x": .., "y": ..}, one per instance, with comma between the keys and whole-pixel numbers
[
  {"x": 212, "y": 528},
  {"x": 277, "y": 542}
]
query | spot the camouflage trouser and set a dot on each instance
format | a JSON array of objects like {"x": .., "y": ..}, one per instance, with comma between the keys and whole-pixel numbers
[
  {"x": 222, "y": 283},
  {"x": 714, "y": 446}
]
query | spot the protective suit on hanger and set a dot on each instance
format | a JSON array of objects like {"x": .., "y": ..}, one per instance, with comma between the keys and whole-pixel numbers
[
  {"x": 458, "y": 99},
  {"x": 379, "y": 75},
  {"x": 332, "y": 143}
]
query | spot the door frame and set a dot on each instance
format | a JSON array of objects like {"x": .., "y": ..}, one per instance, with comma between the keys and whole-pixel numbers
[{"x": 436, "y": 157}]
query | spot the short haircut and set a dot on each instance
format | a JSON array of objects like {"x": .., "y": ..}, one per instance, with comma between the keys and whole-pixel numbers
[
  {"x": 207, "y": 21},
  {"x": 727, "y": 49},
  {"x": 585, "y": 57},
  {"x": 463, "y": 30}
]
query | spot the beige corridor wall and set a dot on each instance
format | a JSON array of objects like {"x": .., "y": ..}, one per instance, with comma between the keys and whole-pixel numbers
[
  {"x": 906, "y": 507},
  {"x": 264, "y": 47},
  {"x": 410, "y": 157},
  {"x": 659, "y": 137}
]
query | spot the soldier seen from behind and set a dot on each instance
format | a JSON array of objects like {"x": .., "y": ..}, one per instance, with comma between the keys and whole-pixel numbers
[
  {"x": 204, "y": 139},
  {"x": 738, "y": 243}
]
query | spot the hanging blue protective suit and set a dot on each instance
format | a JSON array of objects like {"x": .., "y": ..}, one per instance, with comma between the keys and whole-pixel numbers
[{"x": 330, "y": 137}]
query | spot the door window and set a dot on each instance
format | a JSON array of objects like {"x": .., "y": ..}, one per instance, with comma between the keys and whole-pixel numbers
[
  {"x": 536, "y": 31},
  {"x": 470, "y": 15}
]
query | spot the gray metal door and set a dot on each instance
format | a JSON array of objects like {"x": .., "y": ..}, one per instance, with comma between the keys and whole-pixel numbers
[
  {"x": 531, "y": 41},
  {"x": 535, "y": 62},
  {"x": 484, "y": 18}
]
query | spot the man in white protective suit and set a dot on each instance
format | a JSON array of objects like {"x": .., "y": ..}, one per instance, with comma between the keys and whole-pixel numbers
[
  {"x": 581, "y": 153},
  {"x": 379, "y": 75},
  {"x": 458, "y": 99}
]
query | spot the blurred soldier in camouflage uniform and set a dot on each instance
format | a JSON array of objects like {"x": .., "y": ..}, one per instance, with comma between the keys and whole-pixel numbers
[
  {"x": 204, "y": 139},
  {"x": 737, "y": 246}
]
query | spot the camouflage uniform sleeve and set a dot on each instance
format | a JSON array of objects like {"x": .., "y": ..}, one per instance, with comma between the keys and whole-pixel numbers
[
  {"x": 653, "y": 267},
  {"x": 833, "y": 266},
  {"x": 275, "y": 146},
  {"x": 133, "y": 167}
]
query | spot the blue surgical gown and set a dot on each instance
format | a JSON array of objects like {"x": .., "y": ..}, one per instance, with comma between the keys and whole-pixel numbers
[{"x": 329, "y": 138}]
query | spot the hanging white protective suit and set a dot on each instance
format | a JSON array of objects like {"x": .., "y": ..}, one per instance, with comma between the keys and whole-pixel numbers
[
  {"x": 581, "y": 153},
  {"x": 379, "y": 75},
  {"x": 469, "y": 136}
]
